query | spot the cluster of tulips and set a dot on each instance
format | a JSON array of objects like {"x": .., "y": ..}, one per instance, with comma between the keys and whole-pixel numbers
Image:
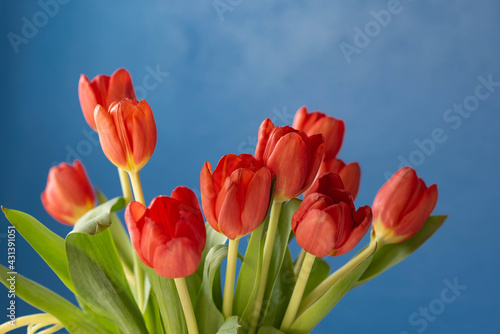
[{"x": 172, "y": 281}]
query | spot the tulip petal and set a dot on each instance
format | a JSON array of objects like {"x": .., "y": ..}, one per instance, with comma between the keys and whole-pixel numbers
[
  {"x": 414, "y": 220},
  {"x": 208, "y": 195},
  {"x": 142, "y": 134},
  {"x": 317, "y": 147},
  {"x": 256, "y": 201},
  {"x": 317, "y": 233},
  {"x": 229, "y": 218},
  {"x": 351, "y": 176},
  {"x": 134, "y": 217},
  {"x": 300, "y": 119},
  {"x": 265, "y": 130},
  {"x": 178, "y": 258},
  {"x": 363, "y": 219},
  {"x": 108, "y": 137},
  {"x": 120, "y": 87},
  {"x": 88, "y": 100},
  {"x": 152, "y": 236},
  {"x": 289, "y": 163}
]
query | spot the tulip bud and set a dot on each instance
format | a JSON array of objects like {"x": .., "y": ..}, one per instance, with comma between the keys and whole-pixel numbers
[
  {"x": 169, "y": 235},
  {"x": 127, "y": 133},
  {"x": 326, "y": 222},
  {"x": 350, "y": 173},
  {"x": 103, "y": 90},
  {"x": 291, "y": 155},
  {"x": 235, "y": 197},
  {"x": 68, "y": 194},
  {"x": 402, "y": 206},
  {"x": 318, "y": 123}
]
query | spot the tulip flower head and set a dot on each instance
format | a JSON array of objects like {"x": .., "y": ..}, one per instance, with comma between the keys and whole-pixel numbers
[
  {"x": 68, "y": 194},
  {"x": 326, "y": 222},
  {"x": 402, "y": 206},
  {"x": 291, "y": 155},
  {"x": 169, "y": 235},
  {"x": 235, "y": 197},
  {"x": 318, "y": 123},
  {"x": 103, "y": 90},
  {"x": 350, "y": 173},
  {"x": 127, "y": 133}
]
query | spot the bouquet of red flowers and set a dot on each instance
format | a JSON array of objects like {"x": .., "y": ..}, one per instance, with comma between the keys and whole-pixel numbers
[{"x": 166, "y": 277}]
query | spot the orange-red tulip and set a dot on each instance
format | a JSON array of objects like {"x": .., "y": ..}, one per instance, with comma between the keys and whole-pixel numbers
[
  {"x": 402, "y": 206},
  {"x": 169, "y": 235},
  {"x": 127, "y": 133},
  {"x": 350, "y": 173},
  {"x": 318, "y": 123},
  {"x": 68, "y": 194},
  {"x": 103, "y": 90},
  {"x": 291, "y": 155},
  {"x": 235, "y": 197},
  {"x": 326, "y": 222}
]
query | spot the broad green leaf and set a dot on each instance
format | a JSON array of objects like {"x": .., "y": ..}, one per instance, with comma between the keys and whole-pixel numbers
[
  {"x": 76, "y": 321},
  {"x": 269, "y": 330},
  {"x": 209, "y": 317},
  {"x": 319, "y": 273},
  {"x": 99, "y": 218},
  {"x": 46, "y": 243},
  {"x": 308, "y": 319},
  {"x": 230, "y": 326},
  {"x": 168, "y": 302},
  {"x": 152, "y": 316},
  {"x": 275, "y": 306},
  {"x": 390, "y": 255},
  {"x": 98, "y": 277},
  {"x": 194, "y": 281},
  {"x": 249, "y": 276},
  {"x": 120, "y": 237}
]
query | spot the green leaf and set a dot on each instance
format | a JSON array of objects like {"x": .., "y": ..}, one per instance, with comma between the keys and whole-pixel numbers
[
  {"x": 46, "y": 243},
  {"x": 209, "y": 317},
  {"x": 152, "y": 317},
  {"x": 230, "y": 326},
  {"x": 269, "y": 330},
  {"x": 98, "y": 277},
  {"x": 168, "y": 302},
  {"x": 99, "y": 218},
  {"x": 120, "y": 237},
  {"x": 275, "y": 306},
  {"x": 311, "y": 316},
  {"x": 319, "y": 273},
  {"x": 391, "y": 254},
  {"x": 69, "y": 315}
]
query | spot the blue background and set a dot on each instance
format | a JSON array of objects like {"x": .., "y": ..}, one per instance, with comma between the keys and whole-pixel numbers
[{"x": 228, "y": 72}]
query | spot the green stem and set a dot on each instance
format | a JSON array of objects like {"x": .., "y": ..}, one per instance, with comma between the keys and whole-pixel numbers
[
  {"x": 321, "y": 289},
  {"x": 232, "y": 257},
  {"x": 138, "y": 271},
  {"x": 298, "y": 292},
  {"x": 266, "y": 261},
  {"x": 125, "y": 183},
  {"x": 298, "y": 262},
  {"x": 136, "y": 185},
  {"x": 187, "y": 306}
]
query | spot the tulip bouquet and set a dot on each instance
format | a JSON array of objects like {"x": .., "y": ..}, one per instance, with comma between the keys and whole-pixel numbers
[{"x": 164, "y": 275}]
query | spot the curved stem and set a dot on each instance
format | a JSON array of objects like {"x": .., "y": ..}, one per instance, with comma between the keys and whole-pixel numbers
[
  {"x": 321, "y": 289},
  {"x": 266, "y": 261},
  {"x": 125, "y": 183},
  {"x": 298, "y": 262},
  {"x": 298, "y": 292},
  {"x": 232, "y": 257},
  {"x": 31, "y": 320},
  {"x": 187, "y": 306}
]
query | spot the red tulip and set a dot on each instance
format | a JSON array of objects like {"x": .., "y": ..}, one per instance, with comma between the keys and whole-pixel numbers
[
  {"x": 402, "y": 206},
  {"x": 318, "y": 123},
  {"x": 326, "y": 222},
  {"x": 350, "y": 173},
  {"x": 127, "y": 133},
  {"x": 169, "y": 235},
  {"x": 68, "y": 194},
  {"x": 291, "y": 155},
  {"x": 103, "y": 90},
  {"x": 235, "y": 197}
]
